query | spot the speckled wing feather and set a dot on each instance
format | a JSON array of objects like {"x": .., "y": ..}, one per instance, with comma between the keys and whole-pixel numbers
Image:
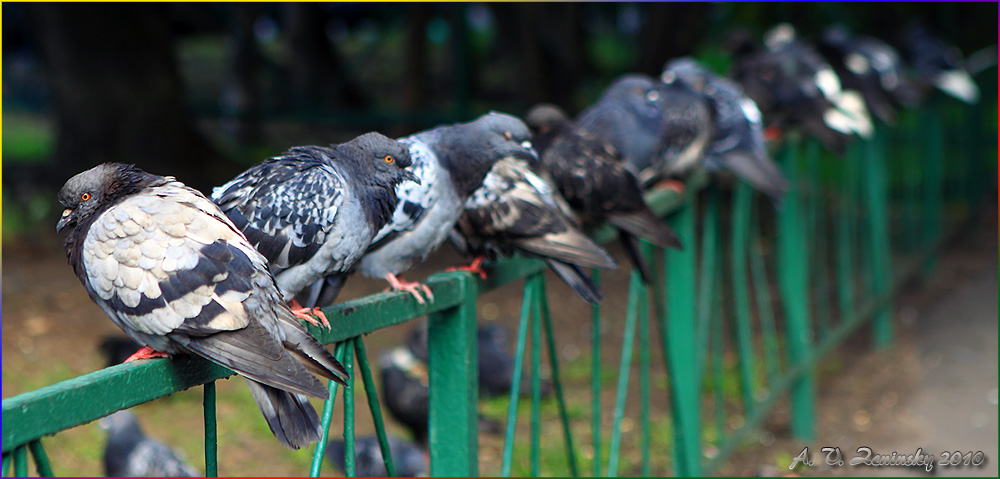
[{"x": 286, "y": 208}]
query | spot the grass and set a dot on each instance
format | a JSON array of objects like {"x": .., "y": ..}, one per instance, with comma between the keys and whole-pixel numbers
[{"x": 27, "y": 137}]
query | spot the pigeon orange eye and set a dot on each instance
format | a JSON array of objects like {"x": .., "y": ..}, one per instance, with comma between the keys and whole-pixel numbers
[
  {"x": 388, "y": 158},
  {"x": 85, "y": 196}
]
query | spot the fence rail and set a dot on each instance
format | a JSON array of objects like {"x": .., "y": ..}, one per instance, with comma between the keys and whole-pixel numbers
[{"x": 782, "y": 292}]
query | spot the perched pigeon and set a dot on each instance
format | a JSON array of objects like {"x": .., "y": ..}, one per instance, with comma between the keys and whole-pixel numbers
[
  {"x": 117, "y": 349},
  {"x": 516, "y": 210},
  {"x": 591, "y": 177},
  {"x": 937, "y": 63},
  {"x": 659, "y": 129},
  {"x": 405, "y": 378},
  {"x": 129, "y": 453},
  {"x": 313, "y": 211},
  {"x": 871, "y": 67},
  {"x": 177, "y": 276},
  {"x": 409, "y": 459},
  {"x": 451, "y": 162},
  {"x": 738, "y": 139},
  {"x": 796, "y": 89}
]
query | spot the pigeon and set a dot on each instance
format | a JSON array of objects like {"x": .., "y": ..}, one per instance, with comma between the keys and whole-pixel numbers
[
  {"x": 596, "y": 184},
  {"x": 937, "y": 63},
  {"x": 130, "y": 453},
  {"x": 117, "y": 349},
  {"x": 796, "y": 89},
  {"x": 738, "y": 132},
  {"x": 517, "y": 210},
  {"x": 659, "y": 129},
  {"x": 405, "y": 378},
  {"x": 313, "y": 211},
  {"x": 870, "y": 66},
  {"x": 170, "y": 269},
  {"x": 451, "y": 162},
  {"x": 409, "y": 459}
]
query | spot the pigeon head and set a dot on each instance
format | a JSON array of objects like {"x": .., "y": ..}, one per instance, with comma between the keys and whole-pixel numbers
[
  {"x": 122, "y": 424},
  {"x": 387, "y": 158},
  {"x": 94, "y": 190},
  {"x": 546, "y": 116},
  {"x": 687, "y": 71},
  {"x": 469, "y": 150}
]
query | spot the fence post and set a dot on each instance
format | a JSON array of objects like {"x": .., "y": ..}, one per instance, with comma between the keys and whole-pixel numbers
[
  {"x": 793, "y": 282},
  {"x": 679, "y": 342},
  {"x": 454, "y": 385},
  {"x": 876, "y": 197}
]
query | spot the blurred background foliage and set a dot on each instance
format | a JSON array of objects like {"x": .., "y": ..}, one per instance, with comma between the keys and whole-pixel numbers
[{"x": 201, "y": 90}]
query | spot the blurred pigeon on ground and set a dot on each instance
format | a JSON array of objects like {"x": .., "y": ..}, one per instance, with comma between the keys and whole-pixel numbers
[
  {"x": 516, "y": 210},
  {"x": 410, "y": 460},
  {"x": 795, "y": 89},
  {"x": 937, "y": 63},
  {"x": 660, "y": 130},
  {"x": 313, "y": 211},
  {"x": 595, "y": 183},
  {"x": 117, "y": 349},
  {"x": 405, "y": 390},
  {"x": 450, "y": 162},
  {"x": 168, "y": 267},
  {"x": 129, "y": 453},
  {"x": 738, "y": 134},
  {"x": 871, "y": 67}
]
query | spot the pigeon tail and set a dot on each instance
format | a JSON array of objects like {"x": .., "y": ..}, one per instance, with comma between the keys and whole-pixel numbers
[
  {"x": 644, "y": 224},
  {"x": 570, "y": 246},
  {"x": 574, "y": 276},
  {"x": 761, "y": 174},
  {"x": 631, "y": 246},
  {"x": 292, "y": 420}
]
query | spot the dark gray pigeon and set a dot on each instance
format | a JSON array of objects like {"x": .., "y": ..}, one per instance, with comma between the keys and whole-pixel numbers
[
  {"x": 871, "y": 67},
  {"x": 409, "y": 459},
  {"x": 592, "y": 178},
  {"x": 738, "y": 133},
  {"x": 451, "y": 162},
  {"x": 177, "y": 276},
  {"x": 517, "y": 210},
  {"x": 313, "y": 211},
  {"x": 130, "y": 453},
  {"x": 937, "y": 63},
  {"x": 661, "y": 130}
]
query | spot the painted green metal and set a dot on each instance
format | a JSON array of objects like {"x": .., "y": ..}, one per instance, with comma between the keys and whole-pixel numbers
[
  {"x": 718, "y": 378},
  {"x": 454, "y": 382},
  {"x": 845, "y": 240},
  {"x": 527, "y": 298},
  {"x": 349, "y": 454},
  {"x": 644, "y": 363},
  {"x": 793, "y": 282},
  {"x": 762, "y": 292},
  {"x": 211, "y": 432},
  {"x": 41, "y": 458},
  {"x": 624, "y": 368},
  {"x": 560, "y": 398},
  {"x": 595, "y": 377},
  {"x": 6, "y": 463},
  {"x": 327, "y": 418},
  {"x": 536, "y": 384},
  {"x": 742, "y": 202},
  {"x": 931, "y": 211},
  {"x": 373, "y": 406},
  {"x": 707, "y": 294},
  {"x": 876, "y": 199},
  {"x": 21, "y": 461},
  {"x": 678, "y": 330},
  {"x": 816, "y": 241}
]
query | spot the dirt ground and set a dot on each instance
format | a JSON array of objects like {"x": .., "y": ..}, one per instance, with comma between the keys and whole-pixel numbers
[{"x": 935, "y": 387}]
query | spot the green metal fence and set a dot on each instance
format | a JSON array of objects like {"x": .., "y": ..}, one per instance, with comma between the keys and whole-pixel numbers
[{"x": 758, "y": 294}]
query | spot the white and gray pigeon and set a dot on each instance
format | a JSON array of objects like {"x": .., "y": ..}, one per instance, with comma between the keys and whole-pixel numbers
[
  {"x": 313, "y": 211},
  {"x": 409, "y": 459},
  {"x": 515, "y": 209},
  {"x": 738, "y": 134},
  {"x": 168, "y": 267},
  {"x": 592, "y": 177},
  {"x": 451, "y": 162},
  {"x": 661, "y": 130},
  {"x": 130, "y": 453}
]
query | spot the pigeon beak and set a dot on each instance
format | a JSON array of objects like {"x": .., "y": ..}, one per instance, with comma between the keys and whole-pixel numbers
[
  {"x": 64, "y": 220},
  {"x": 409, "y": 175},
  {"x": 529, "y": 152}
]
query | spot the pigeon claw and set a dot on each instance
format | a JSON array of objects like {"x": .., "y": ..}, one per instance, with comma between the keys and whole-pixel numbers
[
  {"x": 476, "y": 267},
  {"x": 398, "y": 284},
  {"x": 307, "y": 314},
  {"x": 145, "y": 352}
]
